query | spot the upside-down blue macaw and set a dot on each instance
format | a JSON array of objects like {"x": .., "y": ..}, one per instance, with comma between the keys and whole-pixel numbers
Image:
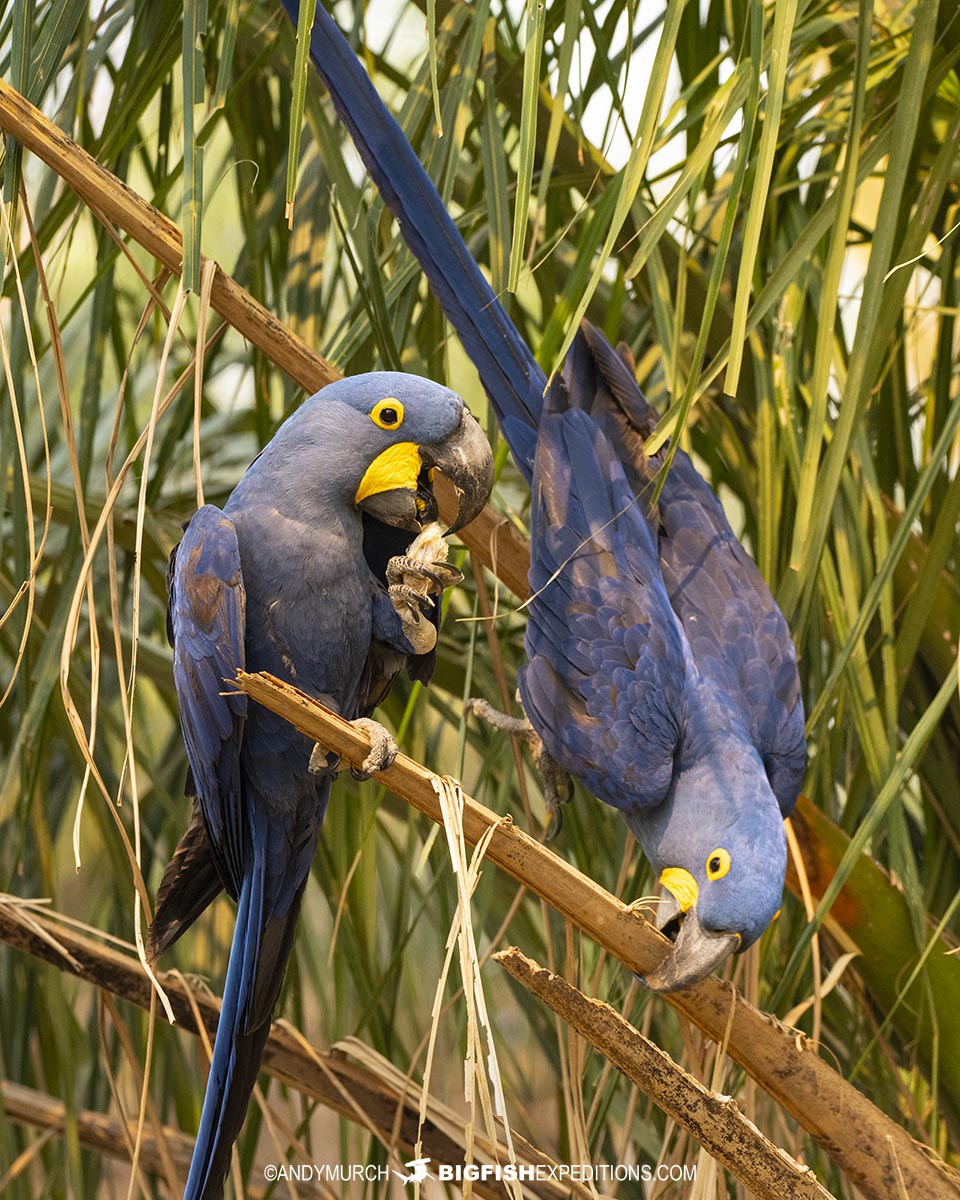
[
  {"x": 660, "y": 671},
  {"x": 303, "y": 573}
]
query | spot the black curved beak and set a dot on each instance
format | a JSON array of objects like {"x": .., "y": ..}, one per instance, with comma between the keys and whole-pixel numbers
[
  {"x": 400, "y": 507},
  {"x": 695, "y": 954},
  {"x": 465, "y": 460}
]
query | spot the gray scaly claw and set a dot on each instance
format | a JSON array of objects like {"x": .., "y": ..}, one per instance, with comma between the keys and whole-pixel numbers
[
  {"x": 323, "y": 761},
  {"x": 383, "y": 748},
  {"x": 557, "y": 792},
  {"x": 412, "y": 586},
  {"x": 557, "y": 784},
  {"x": 405, "y": 596},
  {"x": 442, "y": 575}
]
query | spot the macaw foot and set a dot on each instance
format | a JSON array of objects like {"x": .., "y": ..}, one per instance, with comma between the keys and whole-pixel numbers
[
  {"x": 411, "y": 608},
  {"x": 557, "y": 784},
  {"x": 412, "y": 585},
  {"x": 383, "y": 749},
  {"x": 557, "y": 791}
]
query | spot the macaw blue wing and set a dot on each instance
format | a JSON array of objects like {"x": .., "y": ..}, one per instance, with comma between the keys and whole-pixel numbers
[
  {"x": 206, "y": 610},
  {"x": 736, "y": 633},
  {"x": 604, "y": 685}
]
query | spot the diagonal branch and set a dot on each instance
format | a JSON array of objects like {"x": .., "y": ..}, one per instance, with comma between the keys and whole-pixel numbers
[
  {"x": 97, "y": 1131},
  {"x": 114, "y": 202},
  {"x": 715, "y": 1121},
  {"x": 864, "y": 1142},
  {"x": 105, "y": 1134}
]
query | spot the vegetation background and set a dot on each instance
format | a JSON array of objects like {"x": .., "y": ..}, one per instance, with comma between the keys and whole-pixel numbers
[{"x": 777, "y": 241}]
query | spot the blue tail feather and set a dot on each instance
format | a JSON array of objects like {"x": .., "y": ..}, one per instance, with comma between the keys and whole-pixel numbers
[
  {"x": 259, "y": 946},
  {"x": 510, "y": 374}
]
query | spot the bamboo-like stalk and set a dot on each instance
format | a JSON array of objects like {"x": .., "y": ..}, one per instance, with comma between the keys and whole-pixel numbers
[
  {"x": 873, "y": 1151},
  {"x": 114, "y": 203},
  {"x": 715, "y": 1121},
  {"x": 96, "y": 1131},
  {"x": 107, "y": 1136},
  {"x": 346, "y": 1087}
]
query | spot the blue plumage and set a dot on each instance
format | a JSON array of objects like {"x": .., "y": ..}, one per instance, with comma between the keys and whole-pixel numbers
[
  {"x": 605, "y": 659},
  {"x": 661, "y": 672},
  {"x": 292, "y": 578}
]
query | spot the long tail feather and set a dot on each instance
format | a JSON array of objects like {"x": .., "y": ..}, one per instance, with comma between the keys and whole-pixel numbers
[
  {"x": 257, "y": 959},
  {"x": 510, "y": 374}
]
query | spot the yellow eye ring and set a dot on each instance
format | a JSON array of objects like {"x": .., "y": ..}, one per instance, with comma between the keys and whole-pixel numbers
[
  {"x": 718, "y": 864},
  {"x": 387, "y": 413}
]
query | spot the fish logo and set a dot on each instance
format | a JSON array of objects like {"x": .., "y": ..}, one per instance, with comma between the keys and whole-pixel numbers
[{"x": 419, "y": 1171}]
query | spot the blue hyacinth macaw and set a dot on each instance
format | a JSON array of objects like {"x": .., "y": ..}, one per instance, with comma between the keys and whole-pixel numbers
[
  {"x": 304, "y": 574},
  {"x": 660, "y": 671}
]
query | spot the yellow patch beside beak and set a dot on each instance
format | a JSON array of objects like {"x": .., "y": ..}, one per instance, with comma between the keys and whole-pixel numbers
[
  {"x": 397, "y": 467},
  {"x": 682, "y": 886}
]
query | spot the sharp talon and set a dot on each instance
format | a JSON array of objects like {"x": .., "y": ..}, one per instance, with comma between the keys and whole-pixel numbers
[
  {"x": 445, "y": 575},
  {"x": 383, "y": 749},
  {"x": 319, "y": 760},
  {"x": 423, "y": 572},
  {"x": 552, "y": 800},
  {"x": 419, "y": 630},
  {"x": 404, "y": 596},
  {"x": 557, "y": 791},
  {"x": 555, "y": 823}
]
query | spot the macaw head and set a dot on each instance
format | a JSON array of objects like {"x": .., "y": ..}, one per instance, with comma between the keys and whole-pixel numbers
[
  {"x": 718, "y": 847},
  {"x": 375, "y": 441}
]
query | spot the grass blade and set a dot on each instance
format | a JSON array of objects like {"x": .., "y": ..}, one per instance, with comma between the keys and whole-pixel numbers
[
  {"x": 194, "y": 28},
  {"x": 533, "y": 49},
  {"x": 308, "y": 10}
]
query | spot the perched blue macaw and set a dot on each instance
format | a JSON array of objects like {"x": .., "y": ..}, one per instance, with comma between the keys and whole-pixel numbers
[
  {"x": 661, "y": 672},
  {"x": 303, "y": 573}
]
